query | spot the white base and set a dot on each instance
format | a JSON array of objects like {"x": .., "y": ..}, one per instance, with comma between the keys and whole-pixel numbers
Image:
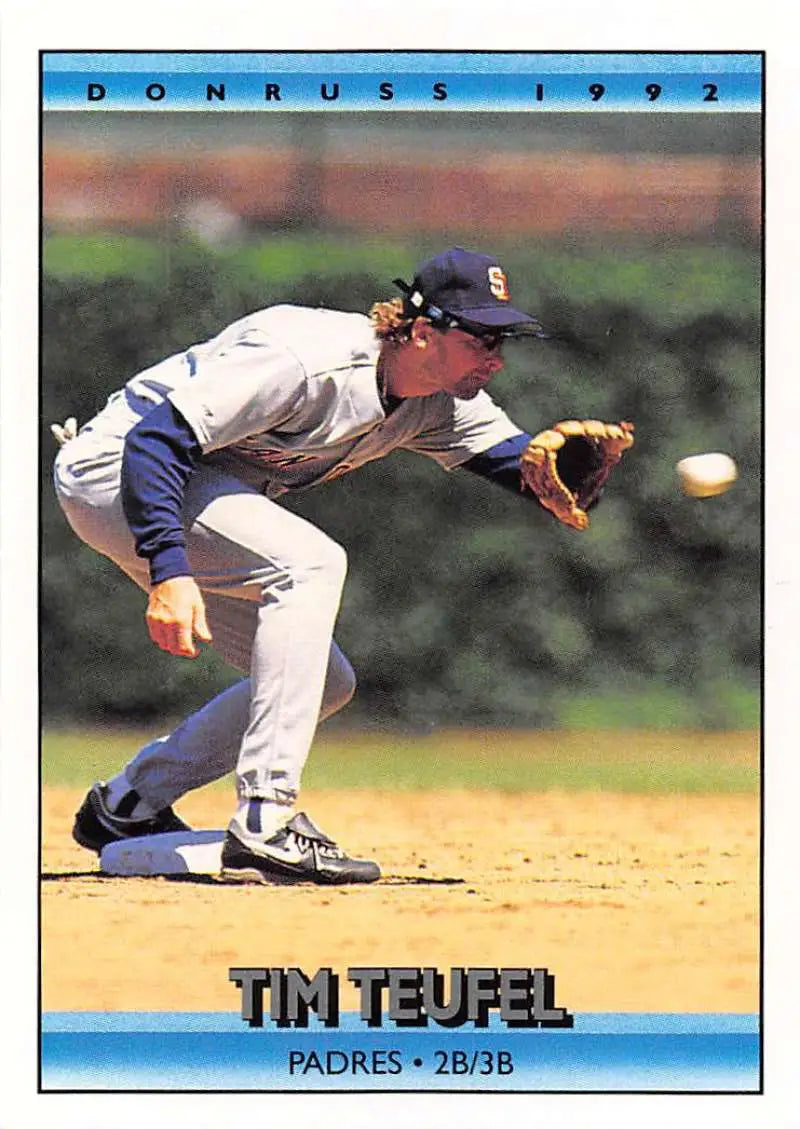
[{"x": 179, "y": 852}]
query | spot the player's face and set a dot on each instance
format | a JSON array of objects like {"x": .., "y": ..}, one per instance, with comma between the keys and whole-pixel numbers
[{"x": 465, "y": 364}]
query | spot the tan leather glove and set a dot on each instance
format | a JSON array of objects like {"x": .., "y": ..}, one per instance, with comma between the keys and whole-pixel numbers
[{"x": 567, "y": 465}]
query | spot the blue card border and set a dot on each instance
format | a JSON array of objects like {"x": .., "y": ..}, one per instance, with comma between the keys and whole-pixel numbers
[{"x": 213, "y": 1052}]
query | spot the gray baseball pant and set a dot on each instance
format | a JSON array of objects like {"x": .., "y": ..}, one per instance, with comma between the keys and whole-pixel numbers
[{"x": 272, "y": 585}]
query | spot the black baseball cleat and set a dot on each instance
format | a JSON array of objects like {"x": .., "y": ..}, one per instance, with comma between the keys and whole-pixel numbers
[
  {"x": 298, "y": 852},
  {"x": 96, "y": 825}
]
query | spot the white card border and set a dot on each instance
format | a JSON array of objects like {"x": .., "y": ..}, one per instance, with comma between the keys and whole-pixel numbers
[{"x": 311, "y": 25}]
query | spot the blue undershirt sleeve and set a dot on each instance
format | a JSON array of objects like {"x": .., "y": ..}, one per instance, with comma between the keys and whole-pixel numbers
[
  {"x": 500, "y": 464},
  {"x": 159, "y": 455}
]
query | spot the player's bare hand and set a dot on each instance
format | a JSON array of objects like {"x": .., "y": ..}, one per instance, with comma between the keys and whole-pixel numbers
[{"x": 176, "y": 616}]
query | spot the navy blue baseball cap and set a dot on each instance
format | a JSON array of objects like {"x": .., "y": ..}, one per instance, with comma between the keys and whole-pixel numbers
[{"x": 461, "y": 286}]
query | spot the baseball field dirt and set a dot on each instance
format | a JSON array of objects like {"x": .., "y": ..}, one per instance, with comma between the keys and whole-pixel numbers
[{"x": 634, "y": 902}]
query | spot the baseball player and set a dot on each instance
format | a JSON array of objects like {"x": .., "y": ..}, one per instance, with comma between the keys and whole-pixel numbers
[{"x": 176, "y": 481}]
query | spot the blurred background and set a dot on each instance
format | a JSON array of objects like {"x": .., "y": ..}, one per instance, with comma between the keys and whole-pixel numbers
[{"x": 636, "y": 240}]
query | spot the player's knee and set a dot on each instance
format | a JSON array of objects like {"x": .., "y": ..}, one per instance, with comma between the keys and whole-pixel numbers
[
  {"x": 340, "y": 686},
  {"x": 345, "y": 685},
  {"x": 328, "y": 563},
  {"x": 340, "y": 694}
]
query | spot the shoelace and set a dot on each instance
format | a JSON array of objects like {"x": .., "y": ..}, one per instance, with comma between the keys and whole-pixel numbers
[{"x": 329, "y": 849}]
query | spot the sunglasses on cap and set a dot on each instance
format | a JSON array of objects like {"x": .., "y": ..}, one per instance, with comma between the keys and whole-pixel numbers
[{"x": 491, "y": 337}]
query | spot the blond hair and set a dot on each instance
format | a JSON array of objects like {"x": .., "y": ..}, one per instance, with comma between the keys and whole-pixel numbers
[{"x": 389, "y": 320}]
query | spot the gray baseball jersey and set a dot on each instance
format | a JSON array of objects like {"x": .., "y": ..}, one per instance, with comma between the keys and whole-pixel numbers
[
  {"x": 281, "y": 400},
  {"x": 287, "y": 398}
]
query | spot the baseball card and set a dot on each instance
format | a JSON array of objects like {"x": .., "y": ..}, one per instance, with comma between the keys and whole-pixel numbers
[{"x": 398, "y": 554}]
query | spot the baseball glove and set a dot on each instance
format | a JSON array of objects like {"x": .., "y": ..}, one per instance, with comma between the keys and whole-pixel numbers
[{"x": 568, "y": 465}]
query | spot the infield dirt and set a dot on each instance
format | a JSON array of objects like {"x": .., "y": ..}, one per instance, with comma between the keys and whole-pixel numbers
[{"x": 634, "y": 903}]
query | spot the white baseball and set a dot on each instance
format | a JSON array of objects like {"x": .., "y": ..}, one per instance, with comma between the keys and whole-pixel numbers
[{"x": 703, "y": 476}]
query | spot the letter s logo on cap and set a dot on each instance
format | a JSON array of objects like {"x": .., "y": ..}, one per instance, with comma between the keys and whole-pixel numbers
[{"x": 498, "y": 283}]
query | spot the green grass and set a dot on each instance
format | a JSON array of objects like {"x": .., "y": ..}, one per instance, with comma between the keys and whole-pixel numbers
[
  {"x": 283, "y": 258},
  {"x": 640, "y": 761},
  {"x": 726, "y": 704},
  {"x": 669, "y": 284},
  {"x": 101, "y": 255}
]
